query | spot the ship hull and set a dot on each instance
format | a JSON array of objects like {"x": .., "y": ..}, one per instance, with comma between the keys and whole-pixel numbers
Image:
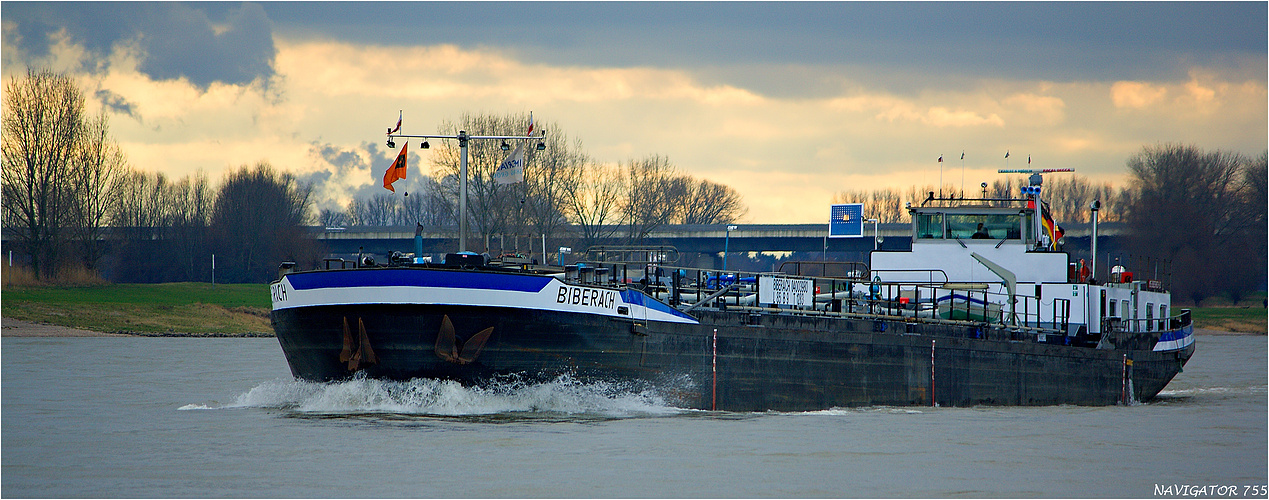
[{"x": 727, "y": 361}]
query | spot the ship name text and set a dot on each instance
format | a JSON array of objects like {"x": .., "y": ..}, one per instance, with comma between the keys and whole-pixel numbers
[{"x": 589, "y": 297}]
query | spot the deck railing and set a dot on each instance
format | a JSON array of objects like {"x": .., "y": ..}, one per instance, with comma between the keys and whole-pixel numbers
[{"x": 689, "y": 289}]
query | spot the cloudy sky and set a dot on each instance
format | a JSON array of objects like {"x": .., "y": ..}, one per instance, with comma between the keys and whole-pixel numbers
[{"x": 788, "y": 103}]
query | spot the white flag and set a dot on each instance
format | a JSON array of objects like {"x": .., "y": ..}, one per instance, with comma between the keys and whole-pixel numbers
[{"x": 511, "y": 170}]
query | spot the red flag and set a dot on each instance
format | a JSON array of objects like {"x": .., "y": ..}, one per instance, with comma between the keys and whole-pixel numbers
[
  {"x": 397, "y": 170},
  {"x": 398, "y": 129},
  {"x": 940, "y": 158}
]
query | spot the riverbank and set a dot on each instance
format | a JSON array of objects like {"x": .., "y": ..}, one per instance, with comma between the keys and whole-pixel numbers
[
  {"x": 159, "y": 310},
  {"x": 17, "y": 328}
]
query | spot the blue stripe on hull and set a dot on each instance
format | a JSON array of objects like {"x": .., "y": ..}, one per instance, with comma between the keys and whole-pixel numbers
[{"x": 418, "y": 277}]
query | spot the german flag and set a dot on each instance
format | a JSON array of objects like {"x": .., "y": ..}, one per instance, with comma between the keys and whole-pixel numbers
[{"x": 1051, "y": 228}]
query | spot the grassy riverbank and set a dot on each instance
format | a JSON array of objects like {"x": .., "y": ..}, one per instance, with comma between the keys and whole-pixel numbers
[
  {"x": 198, "y": 308},
  {"x": 165, "y": 308},
  {"x": 1231, "y": 319}
]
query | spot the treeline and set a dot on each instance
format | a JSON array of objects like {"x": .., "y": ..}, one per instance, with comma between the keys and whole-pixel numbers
[
  {"x": 1068, "y": 196},
  {"x": 170, "y": 231},
  {"x": 59, "y": 167},
  {"x": 562, "y": 186},
  {"x": 1204, "y": 211},
  {"x": 71, "y": 201}
]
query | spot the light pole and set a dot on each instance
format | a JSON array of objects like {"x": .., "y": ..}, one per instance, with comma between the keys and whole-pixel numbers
[
  {"x": 463, "y": 139},
  {"x": 874, "y": 233},
  {"x": 726, "y": 243}
]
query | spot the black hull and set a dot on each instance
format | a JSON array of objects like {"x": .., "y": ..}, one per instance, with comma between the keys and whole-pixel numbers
[{"x": 784, "y": 363}]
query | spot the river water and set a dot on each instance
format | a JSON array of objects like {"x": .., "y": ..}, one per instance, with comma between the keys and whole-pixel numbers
[{"x": 198, "y": 417}]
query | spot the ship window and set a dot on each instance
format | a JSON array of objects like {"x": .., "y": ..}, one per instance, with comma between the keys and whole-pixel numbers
[
  {"x": 1112, "y": 310},
  {"x": 1163, "y": 316},
  {"x": 930, "y": 226},
  {"x": 994, "y": 227},
  {"x": 1149, "y": 317},
  {"x": 1125, "y": 311}
]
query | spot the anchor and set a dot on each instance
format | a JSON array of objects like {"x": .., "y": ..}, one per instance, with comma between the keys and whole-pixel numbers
[
  {"x": 363, "y": 353},
  {"x": 447, "y": 347}
]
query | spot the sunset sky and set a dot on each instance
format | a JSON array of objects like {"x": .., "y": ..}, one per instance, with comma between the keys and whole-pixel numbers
[{"x": 788, "y": 103}]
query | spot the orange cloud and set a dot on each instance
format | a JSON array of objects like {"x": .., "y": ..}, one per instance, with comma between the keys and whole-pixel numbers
[{"x": 1125, "y": 94}]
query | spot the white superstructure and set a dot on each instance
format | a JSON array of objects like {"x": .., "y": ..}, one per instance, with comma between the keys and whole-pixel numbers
[{"x": 976, "y": 257}]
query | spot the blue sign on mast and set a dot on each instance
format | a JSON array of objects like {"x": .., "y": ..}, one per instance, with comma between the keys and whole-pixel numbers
[{"x": 846, "y": 221}]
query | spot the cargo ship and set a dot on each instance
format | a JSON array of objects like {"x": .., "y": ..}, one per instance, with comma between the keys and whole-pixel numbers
[{"x": 984, "y": 309}]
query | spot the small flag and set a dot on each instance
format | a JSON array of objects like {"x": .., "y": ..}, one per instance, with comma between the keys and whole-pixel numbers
[
  {"x": 396, "y": 171},
  {"x": 1051, "y": 229},
  {"x": 397, "y": 129},
  {"x": 530, "y": 124},
  {"x": 1006, "y": 153},
  {"x": 1028, "y": 159},
  {"x": 511, "y": 170},
  {"x": 962, "y": 155},
  {"x": 940, "y": 158}
]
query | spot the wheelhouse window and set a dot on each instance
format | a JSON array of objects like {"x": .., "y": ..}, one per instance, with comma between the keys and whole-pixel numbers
[
  {"x": 979, "y": 226},
  {"x": 930, "y": 226}
]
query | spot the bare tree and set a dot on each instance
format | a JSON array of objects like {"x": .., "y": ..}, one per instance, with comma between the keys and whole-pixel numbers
[
  {"x": 885, "y": 205},
  {"x": 427, "y": 206},
  {"x": 1190, "y": 211},
  {"x": 189, "y": 203},
  {"x": 547, "y": 182},
  {"x": 647, "y": 204},
  {"x": 381, "y": 209},
  {"x": 332, "y": 218},
  {"x": 1068, "y": 197},
  {"x": 1253, "y": 238},
  {"x": 491, "y": 206},
  {"x": 100, "y": 166},
  {"x": 164, "y": 227},
  {"x": 42, "y": 127},
  {"x": 710, "y": 203},
  {"x": 593, "y": 200},
  {"x": 257, "y": 222},
  {"x": 140, "y": 203}
]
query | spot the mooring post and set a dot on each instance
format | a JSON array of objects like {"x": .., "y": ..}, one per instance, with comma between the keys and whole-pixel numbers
[
  {"x": 713, "y": 405},
  {"x": 932, "y": 401}
]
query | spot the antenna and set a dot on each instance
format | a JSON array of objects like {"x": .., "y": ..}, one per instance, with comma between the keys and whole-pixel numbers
[
  {"x": 1033, "y": 171},
  {"x": 1033, "y": 191}
]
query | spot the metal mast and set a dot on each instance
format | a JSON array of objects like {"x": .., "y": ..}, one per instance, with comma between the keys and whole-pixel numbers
[
  {"x": 1033, "y": 191},
  {"x": 463, "y": 139}
]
